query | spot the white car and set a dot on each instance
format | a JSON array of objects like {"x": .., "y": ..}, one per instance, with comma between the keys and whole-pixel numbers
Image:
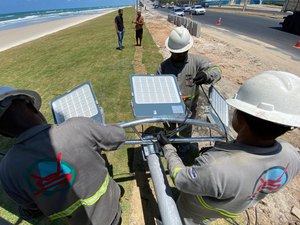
[
  {"x": 198, "y": 10},
  {"x": 177, "y": 12},
  {"x": 186, "y": 8}
]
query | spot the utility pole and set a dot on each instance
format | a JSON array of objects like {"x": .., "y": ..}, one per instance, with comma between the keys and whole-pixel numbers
[
  {"x": 220, "y": 3},
  {"x": 245, "y": 5}
]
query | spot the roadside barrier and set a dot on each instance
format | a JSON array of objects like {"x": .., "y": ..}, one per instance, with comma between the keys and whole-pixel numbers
[
  {"x": 189, "y": 24},
  {"x": 193, "y": 26},
  {"x": 196, "y": 29},
  {"x": 171, "y": 18}
]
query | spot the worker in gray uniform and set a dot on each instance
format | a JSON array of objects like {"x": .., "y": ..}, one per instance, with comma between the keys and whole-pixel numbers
[
  {"x": 56, "y": 170},
  {"x": 191, "y": 71},
  {"x": 228, "y": 178}
]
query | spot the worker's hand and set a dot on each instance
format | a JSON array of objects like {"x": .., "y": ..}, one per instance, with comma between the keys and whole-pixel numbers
[
  {"x": 162, "y": 138},
  {"x": 200, "y": 78}
]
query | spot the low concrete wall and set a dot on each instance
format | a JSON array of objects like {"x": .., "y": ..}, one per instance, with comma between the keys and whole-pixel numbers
[{"x": 193, "y": 26}]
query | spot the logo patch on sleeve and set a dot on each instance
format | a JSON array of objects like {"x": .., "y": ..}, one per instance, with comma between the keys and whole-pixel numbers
[
  {"x": 193, "y": 172},
  {"x": 270, "y": 181}
]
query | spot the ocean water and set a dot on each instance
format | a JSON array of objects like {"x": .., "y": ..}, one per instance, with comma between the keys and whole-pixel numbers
[{"x": 21, "y": 19}]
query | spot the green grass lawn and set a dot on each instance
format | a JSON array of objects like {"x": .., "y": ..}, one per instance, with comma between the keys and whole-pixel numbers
[{"x": 54, "y": 64}]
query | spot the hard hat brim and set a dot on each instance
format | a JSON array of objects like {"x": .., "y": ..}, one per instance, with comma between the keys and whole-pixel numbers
[
  {"x": 180, "y": 50},
  {"x": 37, "y": 101},
  {"x": 272, "y": 116}
]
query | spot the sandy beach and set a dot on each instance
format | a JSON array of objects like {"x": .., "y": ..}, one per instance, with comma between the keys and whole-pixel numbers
[{"x": 14, "y": 37}]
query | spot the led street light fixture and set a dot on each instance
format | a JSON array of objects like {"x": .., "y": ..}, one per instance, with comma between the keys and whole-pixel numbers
[
  {"x": 220, "y": 113},
  {"x": 156, "y": 96},
  {"x": 78, "y": 102}
]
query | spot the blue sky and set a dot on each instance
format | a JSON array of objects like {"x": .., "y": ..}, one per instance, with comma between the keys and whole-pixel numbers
[{"x": 8, "y": 6}]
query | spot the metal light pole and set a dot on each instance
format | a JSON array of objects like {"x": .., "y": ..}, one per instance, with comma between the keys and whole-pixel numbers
[
  {"x": 245, "y": 5},
  {"x": 151, "y": 152}
]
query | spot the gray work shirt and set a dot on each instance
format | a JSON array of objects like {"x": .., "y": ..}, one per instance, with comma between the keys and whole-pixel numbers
[
  {"x": 187, "y": 71},
  {"x": 52, "y": 167},
  {"x": 230, "y": 177}
]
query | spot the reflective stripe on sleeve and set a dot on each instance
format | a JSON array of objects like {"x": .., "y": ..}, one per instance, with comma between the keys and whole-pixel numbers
[
  {"x": 221, "y": 211},
  {"x": 215, "y": 68},
  {"x": 88, "y": 201},
  {"x": 187, "y": 97},
  {"x": 175, "y": 171}
]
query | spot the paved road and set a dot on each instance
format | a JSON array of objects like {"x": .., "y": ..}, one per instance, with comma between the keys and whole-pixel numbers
[
  {"x": 260, "y": 28},
  {"x": 274, "y": 11}
]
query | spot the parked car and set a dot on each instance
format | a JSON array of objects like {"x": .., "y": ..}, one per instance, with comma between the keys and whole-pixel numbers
[
  {"x": 177, "y": 11},
  {"x": 198, "y": 10},
  {"x": 186, "y": 8}
]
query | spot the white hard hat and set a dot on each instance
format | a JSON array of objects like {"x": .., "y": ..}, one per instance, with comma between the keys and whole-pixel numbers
[
  {"x": 272, "y": 95},
  {"x": 6, "y": 92},
  {"x": 179, "y": 40}
]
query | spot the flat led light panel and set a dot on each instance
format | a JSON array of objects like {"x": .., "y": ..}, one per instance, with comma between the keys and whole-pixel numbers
[
  {"x": 220, "y": 106},
  {"x": 78, "y": 102},
  {"x": 156, "y": 96}
]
